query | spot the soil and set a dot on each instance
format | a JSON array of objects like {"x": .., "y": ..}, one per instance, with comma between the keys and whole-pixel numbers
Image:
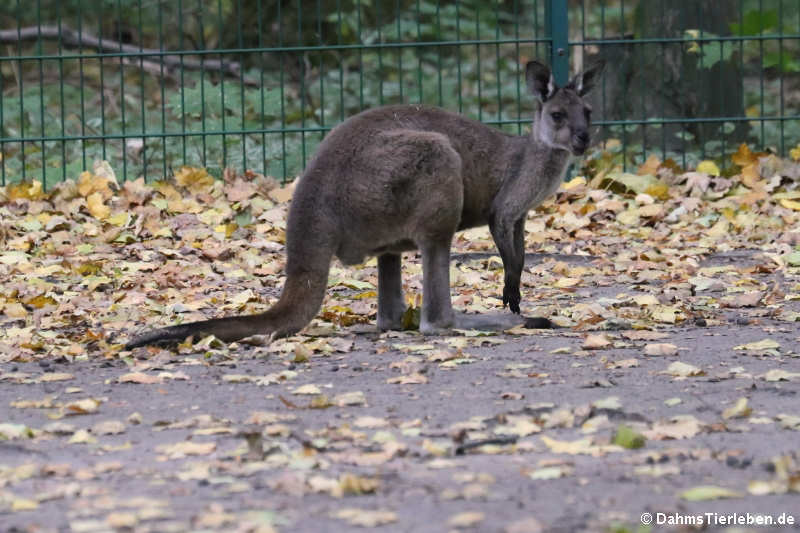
[{"x": 420, "y": 460}]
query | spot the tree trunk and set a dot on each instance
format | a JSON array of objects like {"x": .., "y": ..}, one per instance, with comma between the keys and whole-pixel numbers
[{"x": 674, "y": 80}]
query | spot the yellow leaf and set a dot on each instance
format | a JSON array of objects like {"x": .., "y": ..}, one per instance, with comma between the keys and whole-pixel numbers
[
  {"x": 40, "y": 301},
  {"x": 96, "y": 206},
  {"x": 790, "y": 204},
  {"x": 738, "y": 410},
  {"x": 794, "y": 153},
  {"x": 194, "y": 179},
  {"x": 708, "y": 492},
  {"x": 25, "y": 190},
  {"x": 744, "y": 156},
  {"x": 120, "y": 219},
  {"x": 227, "y": 229},
  {"x": 708, "y": 167},
  {"x": 89, "y": 184},
  {"x": 23, "y": 504},
  {"x": 659, "y": 191},
  {"x": 574, "y": 182}
]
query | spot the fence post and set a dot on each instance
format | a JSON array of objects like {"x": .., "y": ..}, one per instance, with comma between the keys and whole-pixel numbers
[{"x": 558, "y": 31}]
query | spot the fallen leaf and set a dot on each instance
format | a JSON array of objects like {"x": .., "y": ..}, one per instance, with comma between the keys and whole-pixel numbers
[
  {"x": 677, "y": 427},
  {"x": 55, "y": 376},
  {"x": 708, "y": 167},
  {"x": 182, "y": 449},
  {"x": 309, "y": 389},
  {"x": 550, "y": 472},
  {"x": 82, "y": 407},
  {"x": 628, "y": 438},
  {"x": 683, "y": 370},
  {"x": 139, "y": 377},
  {"x": 660, "y": 349},
  {"x": 595, "y": 342},
  {"x": 350, "y": 398},
  {"x": 738, "y": 410},
  {"x": 96, "y": 207},
  {"x": 366, "y": 517},
  {"x": 780, "y": 375},
  {"x": 466, "y": 519},
  {"x": 759, "y": 346},
  {"x": 410, "y": 379},
  {"x": 708, "y": 492},
  {"x": 108, "y": 427}
]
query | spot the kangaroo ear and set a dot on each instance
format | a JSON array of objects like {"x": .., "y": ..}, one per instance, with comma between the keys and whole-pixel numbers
[
  {"x": 586, "y": 80},
  {"x": 540, "y": 80}
]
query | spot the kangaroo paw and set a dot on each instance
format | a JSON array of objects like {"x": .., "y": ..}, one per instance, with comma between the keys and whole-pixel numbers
[{"x": 512, "y": 298}]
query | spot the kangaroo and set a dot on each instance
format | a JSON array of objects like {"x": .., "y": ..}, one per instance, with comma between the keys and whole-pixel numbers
[{"x": 405, "y": 177}]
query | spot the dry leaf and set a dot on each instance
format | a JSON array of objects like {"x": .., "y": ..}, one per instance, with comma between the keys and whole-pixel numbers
[
  {"x": 683, "y": 370},
  {"x": 738, "y": 410},
  {"x": 660, "y": 349},
  {"x": 466, "y": 519},
  {"x": 596, "y": 342},
  {"x": 365, "y": 517},
  {"x": 139, "y": 377}
]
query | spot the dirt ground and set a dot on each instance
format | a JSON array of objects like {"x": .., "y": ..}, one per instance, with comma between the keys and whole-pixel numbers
[{"x": 397, "y": 432}]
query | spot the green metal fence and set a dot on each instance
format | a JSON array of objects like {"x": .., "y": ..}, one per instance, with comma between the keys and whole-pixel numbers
[{"x": 151, "y": 85}]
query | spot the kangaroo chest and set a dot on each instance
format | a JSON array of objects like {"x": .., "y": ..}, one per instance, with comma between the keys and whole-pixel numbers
[{"x": 533, "y": 176}]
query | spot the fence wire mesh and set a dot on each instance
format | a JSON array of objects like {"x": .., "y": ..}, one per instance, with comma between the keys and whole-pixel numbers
[{"x": 151, "y": 86}]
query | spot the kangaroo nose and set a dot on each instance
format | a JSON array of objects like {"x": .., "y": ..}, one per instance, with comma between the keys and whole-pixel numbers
[
  {"x": 580, "y": 141},
  {"x": 582, "y": 137}
]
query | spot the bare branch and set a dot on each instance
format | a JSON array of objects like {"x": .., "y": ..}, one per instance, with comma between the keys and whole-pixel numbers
[{"x": 71, "y": 38}]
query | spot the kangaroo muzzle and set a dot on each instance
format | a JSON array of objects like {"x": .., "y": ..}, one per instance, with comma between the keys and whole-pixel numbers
[{"x": 580, "y": 141}]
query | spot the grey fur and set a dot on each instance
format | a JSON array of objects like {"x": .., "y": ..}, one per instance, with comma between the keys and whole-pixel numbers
[{"x": 403, "y": 177}]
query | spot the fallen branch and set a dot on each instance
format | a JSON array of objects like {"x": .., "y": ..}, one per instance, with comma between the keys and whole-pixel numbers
[
  {"x": 464, "y": 447},
  {"x": 69, "y": 37}
]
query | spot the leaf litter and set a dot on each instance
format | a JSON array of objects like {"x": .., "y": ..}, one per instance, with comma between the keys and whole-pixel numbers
[{"x": 628, "y": 263}]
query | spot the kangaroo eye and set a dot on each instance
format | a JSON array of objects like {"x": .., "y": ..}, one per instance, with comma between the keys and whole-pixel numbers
[{"x": 558, "y": 116}]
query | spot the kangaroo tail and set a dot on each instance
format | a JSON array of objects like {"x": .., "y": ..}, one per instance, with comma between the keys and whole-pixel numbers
[
  {"x": 308, "y": 262},
  {"x": 299, "y": 302}
]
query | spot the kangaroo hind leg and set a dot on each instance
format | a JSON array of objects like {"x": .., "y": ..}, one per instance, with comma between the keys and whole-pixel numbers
[
  {"x": 437, "y": 310},
  {"x": 390, "y": 292}
]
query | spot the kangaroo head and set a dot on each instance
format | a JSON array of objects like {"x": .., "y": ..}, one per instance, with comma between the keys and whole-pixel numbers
[{"x": 563, "y": 116}]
